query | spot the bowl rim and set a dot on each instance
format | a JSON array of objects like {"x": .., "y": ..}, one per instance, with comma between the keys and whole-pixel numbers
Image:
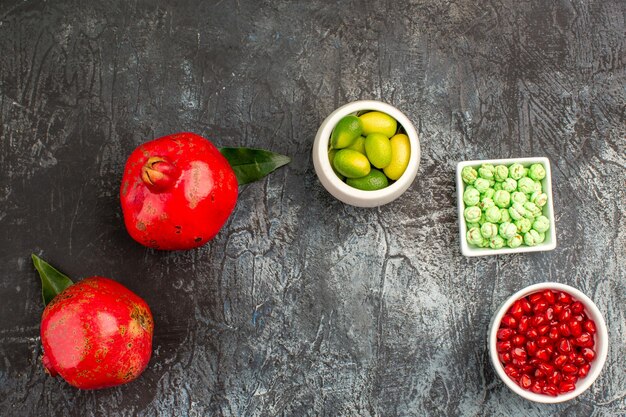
[
  {"x": 469, "y": 251},
  {"x": 601, "y": 342},
  {"x": 340, "y": 189}
]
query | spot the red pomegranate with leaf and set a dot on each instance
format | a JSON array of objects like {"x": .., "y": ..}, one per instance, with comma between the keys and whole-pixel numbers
[
  {"x": 95, "y": 333},
  {"x": 178, "y": 191}
]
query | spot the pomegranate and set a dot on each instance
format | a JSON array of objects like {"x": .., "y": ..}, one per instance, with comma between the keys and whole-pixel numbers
[
  {"x": 545, "y": 342},
  {"x": 95, "y": 333},
  {"x": 177, "y": 192}
]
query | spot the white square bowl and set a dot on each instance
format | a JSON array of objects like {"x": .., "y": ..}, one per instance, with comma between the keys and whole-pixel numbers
[{"x": 548, "y": 210}]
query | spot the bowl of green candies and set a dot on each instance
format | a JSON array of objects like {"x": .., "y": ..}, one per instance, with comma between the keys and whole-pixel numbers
[
  {"x": 505, "y": 206},
  {"x": 366, "y": 153}
]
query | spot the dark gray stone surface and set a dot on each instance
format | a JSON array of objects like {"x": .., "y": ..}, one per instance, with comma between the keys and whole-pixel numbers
[{"x": 303, "y": 305}]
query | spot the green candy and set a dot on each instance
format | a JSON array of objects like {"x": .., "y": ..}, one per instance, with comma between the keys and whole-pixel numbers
[
  {"x": 539, "y": 198},
  {"x": 542, "y": 237},
  {"x": 482, "y": 219},
  {"x": 488, "y": 230},
  {"x": 472, "y": 225},
  {"x": 492, "y": 183},
  {"x": 517, "y": 211},
  {"x": 507, "y": 230},
  {"x": 474, "y": 237},
  {"x": 532, "y": 210},
  {"x": 502, "y": 198},
  {"x": 509, "y": 185},
  {"x": 541, "y": 224},
  {"x": 532, "y": 238},
  {"x": 515, "y": 241},
  {"x": 471, "y": 196},
  {"x": 488, "y": 193},
  {"x": 497, "y": 186},
  {"x": 481, "y": 185},
  {"x": 516, "y": 171},
  {"x": 504, "y": 215},
  {"x": 501, "y": 173},
  {"x": 538, "y": 187},
  {"x": 526, "y": 185},
  {"x": 486, "y": 171},
  {"x": 469, "y": 175},
  {"x": 486, "y": 203},
  {"x": 472, "y": 214},
  {"x": 523, "y": 225},
  {"x": 492, "y": 214},
  {"x": 537, "y": 172},
  {"x": 496, "y": 242},
  {"x": 518, "y": 197}
]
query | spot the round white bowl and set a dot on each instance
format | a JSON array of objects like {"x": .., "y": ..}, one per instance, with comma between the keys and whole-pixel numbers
[
  {"x": 342, "y": 191},
  {"x": 601, "y": 343}
]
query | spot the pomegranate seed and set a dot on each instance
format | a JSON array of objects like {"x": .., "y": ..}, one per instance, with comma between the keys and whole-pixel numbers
[
  {"x": 528, "y": 368},
  {"x": 525, "y": 381},
  {"x": 511, "y": 371},
  {"x": 518, "y": 353},
  {"x": 584, "y": 340},
  {"x": 519, "y": 362},
  {"x": 569, "y": 378},
  {"x": 505, "y": 357},
  {"x": 549, "y": 349},
  {"x": 523, "y": 324},
  {"x": 588, "y": 354},
  {"x": 568, "y": 368},
  {"x": 554, "y": 333},
  {"x": 564, "y": 330},
  {"x": 518, "y": 340},
  {"x": 566, "y": 387},
  {"x": 578, "y": 360},
  {"x": 543, "y": 329},
  {"x": 543, "y": 341},
  {"x": 584, "y": 370},
  {"x": 543, "y": 354},
  {"x": 539, "y": 374},
  {"x": 548, "y": 295},
  {"x": 546, "y": 368},
  {"x": 534, "y": 362},
  {"x": 504, "y": 334},
  {"x": 558, "y": 308},
  {"x": 577, "y": 307},
  {"x": 532, "y": 334},
  {"x": 564, "y": 298},
  {"x": 550, "y": 313},
  {"x": 537, "y": 321},
  {"x": 575, "y": 328},
  {"x": 536, "y": 387},
  {"x": 565, "y": 314},
  {"x": 550, "y": 390},
  {"x": 503, "y": 346},
  {"x": 590, "y": 326},
  {"x": 535, "y": 298},
  {"x": 579, "y": 317},
  {"x": 509, "y": 321},
  {"x": 531, "y": 347},
  {"x": 516, "y": 310},
  {"x": 565, "y": 346},
  {"x": 540, "y": 307},
  {"x": 554, "y": 378},
  {"x": 525, "y": 305},
  {"x": 560, "y": 360}
]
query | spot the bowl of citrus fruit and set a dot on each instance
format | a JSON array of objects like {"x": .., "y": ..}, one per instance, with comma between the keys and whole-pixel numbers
[{"x": 366, "y": 153}]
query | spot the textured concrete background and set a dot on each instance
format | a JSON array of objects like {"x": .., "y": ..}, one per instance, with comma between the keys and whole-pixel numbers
[{"x": 303, "y": 305}]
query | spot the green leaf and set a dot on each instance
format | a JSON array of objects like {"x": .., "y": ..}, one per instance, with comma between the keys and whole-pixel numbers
[
  {"x": 253, "y": 164},
  {"x": 53, "y": 282}
]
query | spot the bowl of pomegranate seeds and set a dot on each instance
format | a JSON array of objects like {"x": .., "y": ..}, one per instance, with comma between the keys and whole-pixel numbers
[{"x": 548, "y": 342}]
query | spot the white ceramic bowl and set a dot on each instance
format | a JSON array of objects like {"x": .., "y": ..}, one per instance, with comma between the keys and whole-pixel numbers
[
  {"x": 340, "y": 189},
  {"x": 548, "y": 210},
  {"x": 601, "y": 343}
]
